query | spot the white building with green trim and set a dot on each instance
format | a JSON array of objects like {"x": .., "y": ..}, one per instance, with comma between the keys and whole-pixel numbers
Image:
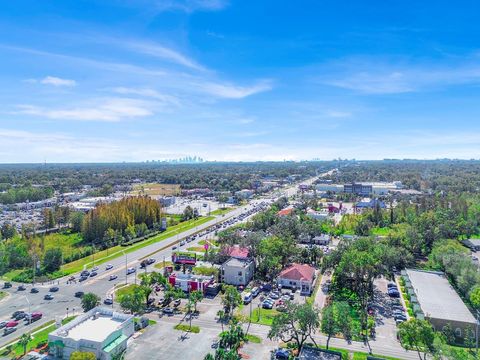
[{"x": 101, "y": 331}]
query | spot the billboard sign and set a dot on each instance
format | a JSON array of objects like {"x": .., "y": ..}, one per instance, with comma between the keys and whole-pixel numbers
[{"x": 184, "y": 258}]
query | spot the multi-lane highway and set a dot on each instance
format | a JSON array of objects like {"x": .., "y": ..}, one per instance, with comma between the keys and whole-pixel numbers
[{"x": 65, "y": 303}]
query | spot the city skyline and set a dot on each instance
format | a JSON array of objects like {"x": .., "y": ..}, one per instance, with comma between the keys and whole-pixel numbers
[{"x": 123, "y": 80}]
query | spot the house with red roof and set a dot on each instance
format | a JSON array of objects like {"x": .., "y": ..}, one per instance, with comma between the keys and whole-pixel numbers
[
  {"x": 298, "y": 276},
  {"x": 237, "y": 252},
  {"x": 285, "y": 212}
]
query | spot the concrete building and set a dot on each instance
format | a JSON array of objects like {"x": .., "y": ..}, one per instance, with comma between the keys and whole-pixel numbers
[
  {"x": 437, "y": 301},
  {"x": 237, "y": 271},
  {"x": 317, "y": 215},
  {"x": 368, "y": 203},
  {"x": 244, "y": 194},
  {"x": 298, "y": 276},
  {"x": 101, "y": 331}
]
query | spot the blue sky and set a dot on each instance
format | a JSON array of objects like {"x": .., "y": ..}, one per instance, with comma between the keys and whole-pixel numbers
[{"x": 135, "y": 80}]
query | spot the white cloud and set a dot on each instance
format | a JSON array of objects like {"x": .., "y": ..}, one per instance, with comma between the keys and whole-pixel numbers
[
  {"x": 56, "y": 81},
  {"x": 150, "y": 93},
  {"x": 379, "y": 76},
  {"x": 109, "y": 110},
  {"x": 338, "y": 114},
  {"x": 159, "y": 51},
  {"x": 52, "y": 80},
  {"x": 233, "y": 91}
]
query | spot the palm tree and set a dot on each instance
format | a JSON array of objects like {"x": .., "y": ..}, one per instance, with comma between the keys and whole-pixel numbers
[{"x": 24, "y": 340}]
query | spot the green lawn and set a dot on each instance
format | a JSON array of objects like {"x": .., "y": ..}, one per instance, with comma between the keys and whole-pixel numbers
[
  {"x": 384, "y": 231},
  {"x": 185, "y": 327},
  {"x": 2, "y": 294},
  {"x": 254, "y": 339},
  {"x": 8, "y": 276},
  {"x": 263, "y": 316},
  {"x": 196, "y": 249},
  {"x": 162, "y": 264},
  {"x": 221, "y": 211},
  {"x": 117, "y": 251},
  {"x": 124, "y": 290}
]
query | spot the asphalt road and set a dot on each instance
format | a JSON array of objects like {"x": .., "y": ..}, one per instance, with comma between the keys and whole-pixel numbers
[{"x": 65, "y": 303}]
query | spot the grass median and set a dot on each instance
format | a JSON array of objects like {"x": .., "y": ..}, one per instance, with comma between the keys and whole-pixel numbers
[{"x": 117, "y": 251}]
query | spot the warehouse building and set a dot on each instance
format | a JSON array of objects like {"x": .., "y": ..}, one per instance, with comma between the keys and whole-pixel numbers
[{"x": 434, "y": 299}]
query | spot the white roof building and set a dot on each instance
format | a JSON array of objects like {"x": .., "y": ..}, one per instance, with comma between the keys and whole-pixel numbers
[{"x": 101, "y": 331}]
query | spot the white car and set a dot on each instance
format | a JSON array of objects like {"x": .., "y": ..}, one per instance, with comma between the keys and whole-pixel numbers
[{"x": 109, "y": 266}]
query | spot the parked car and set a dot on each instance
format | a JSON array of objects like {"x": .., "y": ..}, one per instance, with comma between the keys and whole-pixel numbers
[
  {"x": 7, "y": 285},
  {"x": 282, "y": 354},
  {"x": 177, "y": 302},
  {"x": 267, "y": 305},
  {"x": 108, "y": 267},
  {"x": 21, "y": 288},
  {"x": 400, "y": 317},
  {"x": 79, "y": 294},
  {"x": 48, "y": 296},
  {"x": 391, "y": 285},
  {"x": 247, "y": 298},
  {"x": 9, "y": 330},
  {"x": 34, "y": 290},
  {"x": 168, "y": 311},
  {"x": 108, "y": 301},
  {"x": 54, "y": 289},
  {"x": 399, "y": 321},
  {"x": 255, "y": 291},
  {"x": 112, "y": 277}
]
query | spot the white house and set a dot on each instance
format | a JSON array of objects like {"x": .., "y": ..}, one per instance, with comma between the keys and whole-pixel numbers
[{"x": 237, "y": 271}]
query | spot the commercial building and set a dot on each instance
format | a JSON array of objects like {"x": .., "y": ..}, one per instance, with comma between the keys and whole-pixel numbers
[
  {"x": 298, "y": 276},
  {"x": 317, "y": 215},
  {"x": 237, "y": 271},
  {"x": 190, "y": 282},
  {"x": 368, "y": 203},
  {"x": 101, "y": 331},
  {"x": 361, "y": 188},
  {"x": 244, "y": 194},
  {"x": 312, "y": 353},
  {"x": 433, "y": 298}
]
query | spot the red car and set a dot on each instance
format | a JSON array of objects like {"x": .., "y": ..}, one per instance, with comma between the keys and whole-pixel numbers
[{"x": 11, "y": 323}]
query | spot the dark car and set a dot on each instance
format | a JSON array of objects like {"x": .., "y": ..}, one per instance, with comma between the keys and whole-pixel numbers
[
  {"x": 9, "y": 330},
  {"x": 391, "y": 285},
  {"x": 34, "y": 290},
  {"x": 83, "y": 278},
  {"x": 150, "y": 261},
  {"x": 168, "y": 311},
  {"x": 85, "y": 273},
  {"x": 14, "y": 315},
  {"x": 54, "y": 289},
  {"x": 21, "y": 288},
  {"x": 20, "y": 316},
  {"x": 79, "y": 294},
  {"x": 7, "y": 285},
  {"x": 93, "y": 273},
  {"x": 400, "y": 317}
]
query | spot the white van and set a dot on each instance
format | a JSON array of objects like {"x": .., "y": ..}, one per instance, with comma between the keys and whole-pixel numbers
[{"x": 247, "y": 298}]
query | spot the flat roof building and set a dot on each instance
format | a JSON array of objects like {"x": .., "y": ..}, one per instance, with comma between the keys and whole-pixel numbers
[
  {"x": 237, "y": 271},
  {"x": 438, "y": 301},
  {"x": 101, "y": 331}
]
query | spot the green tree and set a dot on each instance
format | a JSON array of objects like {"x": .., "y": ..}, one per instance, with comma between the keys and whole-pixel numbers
[
  {"x": 231, "y": 298},
  {"x": 419, "y": 335},
  {"x": 24, "y": 340},
  {"x": 475, "y": 297},
  {"x": 52, "y": 260},
  {"x": 76, "y": 221},
  {"x": 133, "y": 302},
  {"x": 298, "y": 323},
  {"x": 195, "y": 297},
  {"x": 89, "y": 301},
  {"x": 336, "y": 319}
]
